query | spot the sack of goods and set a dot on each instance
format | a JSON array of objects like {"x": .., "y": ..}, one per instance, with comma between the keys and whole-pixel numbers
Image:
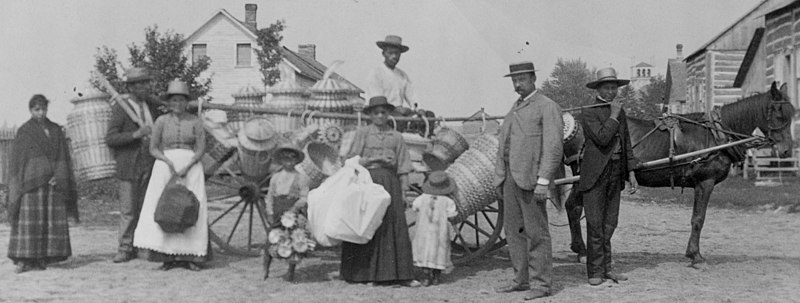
[
  {"x": 347, "y": 206},
  {"x": 177, "y": 208}
]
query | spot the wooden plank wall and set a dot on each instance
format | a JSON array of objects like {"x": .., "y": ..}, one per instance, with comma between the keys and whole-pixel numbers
[{"x": 7, "y": 135}]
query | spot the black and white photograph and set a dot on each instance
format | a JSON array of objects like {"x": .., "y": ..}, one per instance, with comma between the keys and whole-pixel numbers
[{"x": 400, "y": 151}]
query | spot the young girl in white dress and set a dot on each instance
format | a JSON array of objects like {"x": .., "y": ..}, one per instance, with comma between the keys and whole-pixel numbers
[{"x": 431, "y": 244}]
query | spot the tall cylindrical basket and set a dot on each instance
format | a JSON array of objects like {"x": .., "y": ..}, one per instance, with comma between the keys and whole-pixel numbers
[{"x": 87, "y": 125}]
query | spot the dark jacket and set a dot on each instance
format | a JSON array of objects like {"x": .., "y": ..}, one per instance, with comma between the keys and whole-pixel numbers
[
  {"x": 601, "y": 139},
  {"x": 131, "y": 154}
]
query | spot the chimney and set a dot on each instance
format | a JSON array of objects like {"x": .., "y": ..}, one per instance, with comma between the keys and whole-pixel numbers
[
  {"x": 679, "y": 50},
  {"x": 308, "y": 51},
  {"x": 250, "y": 16}
]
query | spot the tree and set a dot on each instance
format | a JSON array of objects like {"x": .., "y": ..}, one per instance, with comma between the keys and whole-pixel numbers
[
  {"x": 567, "y": 83},
  {"x": 269, "y": 53},
  {"x": 163, "y": 55},
  {"x": 656, "y": 91},
  {"x": 649, "y": 105}
]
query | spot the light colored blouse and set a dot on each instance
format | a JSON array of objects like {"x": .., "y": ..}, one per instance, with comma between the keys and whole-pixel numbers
[
  {"x": 373, "y": 142},
  {"x": 284, "y": 183},
  {"x": 169, "y": 132}
]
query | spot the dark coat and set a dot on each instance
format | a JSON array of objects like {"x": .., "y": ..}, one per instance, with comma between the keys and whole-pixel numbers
[
  {"x": 131, "y": 154},
  {"x": 600, "y": 132}
]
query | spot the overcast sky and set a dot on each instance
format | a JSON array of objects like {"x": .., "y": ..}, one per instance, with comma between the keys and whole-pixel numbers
[{"x": 459, "y": 49}]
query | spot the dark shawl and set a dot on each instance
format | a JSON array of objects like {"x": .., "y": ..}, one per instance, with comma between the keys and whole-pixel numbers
[{"x": 35, "y": 160}]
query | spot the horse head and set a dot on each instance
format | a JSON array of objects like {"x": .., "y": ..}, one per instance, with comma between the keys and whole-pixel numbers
[{"x": 777, "y": 123}]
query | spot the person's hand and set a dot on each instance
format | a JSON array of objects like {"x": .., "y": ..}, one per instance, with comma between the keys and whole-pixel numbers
[
  {"x": 171, "y": 168},
  {"x": 616, "y": 107},
  {"x": 634, "y": 183},
  {"x": 540, "y": 193},
  {"x": 142, "y": 131},
  {"x": 182, "y": 173},
  {"x": 52, "y": 181}
]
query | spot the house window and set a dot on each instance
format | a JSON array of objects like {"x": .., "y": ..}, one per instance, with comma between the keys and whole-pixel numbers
[
  {"x": 198, "y": 51},
  {"x": 243, "y": 54}
]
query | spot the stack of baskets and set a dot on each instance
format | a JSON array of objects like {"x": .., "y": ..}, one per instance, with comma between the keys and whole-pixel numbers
[
  {"x": 290, "y": 96},
  {"x": 248, "y": 96},
  {"x": 87, "y": 125},
  {"x": 473, "y": 173}
]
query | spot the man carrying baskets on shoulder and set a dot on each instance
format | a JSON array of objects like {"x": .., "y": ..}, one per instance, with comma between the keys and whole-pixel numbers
[
  {"x": 128, "y": 137},
  {"x": 528, "y": 157}
]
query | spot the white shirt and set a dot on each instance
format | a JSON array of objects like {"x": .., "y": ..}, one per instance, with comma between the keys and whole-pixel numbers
[{"x": 394, "y": 84}]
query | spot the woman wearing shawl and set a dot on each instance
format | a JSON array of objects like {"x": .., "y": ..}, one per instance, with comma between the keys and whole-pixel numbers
[
  {"x": 41, "y": 192},
  {"x": 178, "y": 144}
]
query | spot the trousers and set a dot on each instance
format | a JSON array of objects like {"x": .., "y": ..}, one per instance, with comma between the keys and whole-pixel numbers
[
  {"x": 131, "y": 197},
  {"x": 601, "y": 204},
  {"x": 528, "y": 236}
]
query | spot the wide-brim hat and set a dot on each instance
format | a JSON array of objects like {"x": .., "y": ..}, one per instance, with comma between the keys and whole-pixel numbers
[
  {"x": 439, "y": 183},
  {"x": 392, "y": 40},
  {"x": 258, "y": 134},
  {"x": 608, "y": 74},
  {"x": 277, "y": 154},
  {"x": 378, "y": 101},
  {"x": 176, "y": 87},
  {"x": 520, "y": 68},
  {"x": 136, "y": 74}
]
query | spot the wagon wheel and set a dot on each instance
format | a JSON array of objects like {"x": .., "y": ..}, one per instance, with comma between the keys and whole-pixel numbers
[
  {"x": 479, "y": 234},
  {"x": 237, "y": 198}
]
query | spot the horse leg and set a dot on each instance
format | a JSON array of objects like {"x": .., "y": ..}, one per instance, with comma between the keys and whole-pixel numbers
[
  {"x": 574, "y": 206},
  {"x": 702, "y": 193}
]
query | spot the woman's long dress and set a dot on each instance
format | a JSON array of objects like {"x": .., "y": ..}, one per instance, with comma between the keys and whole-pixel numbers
[{"x": 388, "y": 256}]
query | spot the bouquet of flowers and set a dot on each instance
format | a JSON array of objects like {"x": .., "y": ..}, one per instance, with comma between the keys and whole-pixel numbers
[{"x": 292, "y": 240}]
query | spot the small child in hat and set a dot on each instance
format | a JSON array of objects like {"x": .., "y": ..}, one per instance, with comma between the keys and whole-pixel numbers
[
  {"x": 431, "y": 243},
  {"x": 288, "y": 188}
]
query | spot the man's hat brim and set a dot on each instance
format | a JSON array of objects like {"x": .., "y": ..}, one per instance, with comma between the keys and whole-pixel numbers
[
  {"x": 384, "y": 44},
  {"x": 596, "y": 84},
  {"x": 388, "y": 106},
  {"x": 519, "y": 72}
]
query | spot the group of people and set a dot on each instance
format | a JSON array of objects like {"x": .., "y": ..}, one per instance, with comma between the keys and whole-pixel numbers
[{"x": 153, "y": 149}]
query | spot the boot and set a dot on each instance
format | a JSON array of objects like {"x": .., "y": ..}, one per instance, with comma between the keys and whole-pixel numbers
[
  {"x": 267, "y": 261},
  {"x": 428, "y": 276},
  {"x": 436, "y": 274}
]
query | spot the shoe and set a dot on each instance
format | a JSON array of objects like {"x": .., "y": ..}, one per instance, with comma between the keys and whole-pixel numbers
[
  {"x": 595, "y": 281},
  {"x": 512, "y": 288},
  {"x": 21, "y": 267},
  {"x": 167, "y": 266},
  {"x": 581, "y": 259},
  {"x": 426, "y": 282},
  {"x": 616, "y": 277},
  {"x": 40, "y": 265},
  {"x": 412, "y": 283},
  {"x": 122, "y": 257},
  {"x": 536, "y": 294},
  {"x": 436, "y": 274},
  {"x": 192, "y": 266}
]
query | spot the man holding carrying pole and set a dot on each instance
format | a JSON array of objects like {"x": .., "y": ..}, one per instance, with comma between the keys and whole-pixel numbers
[
  {"x": 528, "y": 157},
  {"x": 128, "y": 137},
  {"x": 608, "y": 161}
]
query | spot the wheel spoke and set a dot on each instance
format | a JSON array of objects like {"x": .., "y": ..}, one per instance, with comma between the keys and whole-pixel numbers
[
  {"x": 226, "y": 212},
  {"x": 223, "y": 197},
  {"x": 236, "y": 225},
  {"x": 221, "y": 183},
  {"x": 478, "y": 230},
  {"x": 250, "y": 227},
  {"x": 491, "y": 224},
  {"x": 263, "y": 216}
]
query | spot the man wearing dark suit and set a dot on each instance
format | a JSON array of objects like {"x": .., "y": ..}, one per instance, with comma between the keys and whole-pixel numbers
[
  {"x": 128, "y": 137},
  {"x": 608, "y": 161},
  {"x": 528, "y": 157}
]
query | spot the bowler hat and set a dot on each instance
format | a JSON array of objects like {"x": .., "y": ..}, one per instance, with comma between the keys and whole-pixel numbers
[
  {"x": 392, "y": 40},
  {"x": 176, "y": 87},
  {"x": 439, "y": 183},
  {"x": 277, "y": 155},
  {"x": 258, "y": 134},
  {"x": 136, "y": 74},
  {"x": 520, "y": 68},
  {"x": 378, "y": 101},
  {"x": 607, "y": 74}
]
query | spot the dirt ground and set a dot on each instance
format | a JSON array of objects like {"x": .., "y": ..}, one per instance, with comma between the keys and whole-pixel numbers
[{"x": 753, "y": 256}]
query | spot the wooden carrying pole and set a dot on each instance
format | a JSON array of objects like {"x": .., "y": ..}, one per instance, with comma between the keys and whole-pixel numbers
[
  {"x": 680, "y": 157},
  {"x": 116, "y": 97}
]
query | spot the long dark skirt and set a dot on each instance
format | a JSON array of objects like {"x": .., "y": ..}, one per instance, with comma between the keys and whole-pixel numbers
[
  {"x": 41, "y": 232},
  {"x": 387, "y": 257}
]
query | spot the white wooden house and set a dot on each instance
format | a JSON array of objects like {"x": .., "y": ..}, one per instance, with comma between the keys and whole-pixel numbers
[
  {"x": 676, "y": 83},
  {"x": 231, "y": 43}
]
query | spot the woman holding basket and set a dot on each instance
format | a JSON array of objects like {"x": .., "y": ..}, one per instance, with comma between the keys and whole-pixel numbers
[
  {"x": 387, "y": 257},
  {"x": 178, "y": 144}
]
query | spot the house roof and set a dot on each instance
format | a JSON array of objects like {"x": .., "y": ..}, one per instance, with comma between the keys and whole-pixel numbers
[
  {"x": 676, "y": 80},
  {"x": 749, "y": 57},
  {"x": 642, "y": 64},
  {"x": 304, "y": 66}
]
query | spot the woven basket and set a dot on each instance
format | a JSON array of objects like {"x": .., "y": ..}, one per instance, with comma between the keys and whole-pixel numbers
[
  {"x": 473, "y": 173},
  {"x": 320, "y": 162},
  {"x": 447, "y": 147},
  {"x": 87, "y": 125},
  {"x": 220, "y": 142}
]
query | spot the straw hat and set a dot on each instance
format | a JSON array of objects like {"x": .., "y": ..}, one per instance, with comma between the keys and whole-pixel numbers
[
  {"x": 378, "y": 101},
  {"x": 277, "y": 155},
  {"x": 607, "y": 74},
  {"x": 258, "y": 135},
  {"x": 176, "y": 87},
  {"x": 136, "y": 74},
  {"x": 439, "y": 183},
  {"x": 520, "y": 68},
  {"x": 392, "y": 40}
]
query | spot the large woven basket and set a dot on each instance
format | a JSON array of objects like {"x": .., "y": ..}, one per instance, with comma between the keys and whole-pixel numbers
[
  {"x": 446, "y": 148},
  {"x": 320, "y": 162},
  {"x": 220, "y": 142},
  {"x": 473, "y": 173},
  {"x": 87, "y": 125}
]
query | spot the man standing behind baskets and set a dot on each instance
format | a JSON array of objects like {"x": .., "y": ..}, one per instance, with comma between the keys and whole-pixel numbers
[
  {"x": 387, "y": 257},
  {"x": 178, "y": 143},
  {"x": 128, "y": 137},
  {"x": 528, "y": 157}
]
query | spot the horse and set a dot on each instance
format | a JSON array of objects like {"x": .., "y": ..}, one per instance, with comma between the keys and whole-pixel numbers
[{"x": 771, "y": 112}]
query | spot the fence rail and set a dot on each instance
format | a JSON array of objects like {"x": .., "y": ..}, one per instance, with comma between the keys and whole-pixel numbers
[{"x": 7, "y": 134}]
